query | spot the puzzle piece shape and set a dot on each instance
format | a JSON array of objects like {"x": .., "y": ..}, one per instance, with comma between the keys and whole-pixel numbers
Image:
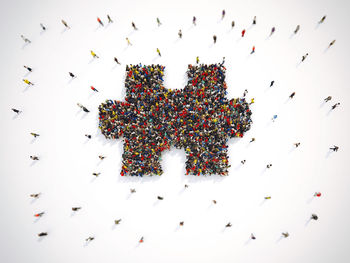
[{"x": 198, "y": 118}]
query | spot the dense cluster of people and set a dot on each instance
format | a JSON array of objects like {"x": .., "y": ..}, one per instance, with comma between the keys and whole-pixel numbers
[{"x": 198, "y": 118}]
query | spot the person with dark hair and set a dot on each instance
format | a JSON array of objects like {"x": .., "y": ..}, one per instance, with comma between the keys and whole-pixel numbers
[
  {"x": 328, "y": 98},
  {"x": 335, "y": 105},
  {"x": 314, "y": 217},
  {"x": 76, "y": 208},
  {"x": 116, "y": 60},
  {"x": 297, "y": 29},
  {"x": 16, "y": 111},
  {"x": 214, "y": 38},
  {"x": 228, "y": 224},
  {"x": 134, "y": 26},
  {"x": 28, "y": 68},
  {"x": 109, "y": 19},
  {"x": 65, "y": 24},
  {"x": 292, "y": 95},
  {"x": 304, "y": 57},
  {"x": 334, "y": 148},
  {"x": 322, "y": 19},
  {"x": 272, "y": 82},
  {"x": 254, "y": 20},
  {"x": 42, "y": 234},
  {"x": 194, "y": 20},
  {"x": 34, "y": 158},
  {"x": 100, "y": 21}
]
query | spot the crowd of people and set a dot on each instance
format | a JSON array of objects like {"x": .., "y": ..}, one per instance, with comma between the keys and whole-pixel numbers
[{"x": 198, "y": 118}]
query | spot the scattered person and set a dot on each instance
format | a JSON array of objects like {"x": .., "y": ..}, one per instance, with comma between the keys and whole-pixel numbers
[
  {"x": 129, "y": 43},
  {"x": 243, "y": 161},
  {"x": 328, "y": 98},
  {"x": 317, "y": 194},
  {"x": 297, "y": 144},
  {"x": 186, "y": 186},
  {"x": 251, "y": 101},
  {"x": 96, "y": 174},
  {"x": 28, "y": 68},
  {"x": 214, "y": 201},
  {"x": 116, "y": 60},
  {"x": 304, "y": 57},
  {"x": 223, "y": 14},
  {"x": 101, "y": 157},
  {"x": 26, "y": 40},
  {"x": 335, "y": 105},
  {"x": 272, "y": 82},
  {"x": 292, "y": 95},
  {"x": 42, "y": 234},
  {"x": 297, "y": 29},
  {"x": 117, "y": 222},
  {"x": 272, "y": 31},
  {"x": 252, "y": 236},
  {"x": 243, "y": 32},
  {"x": 158, "y": 22},
  {"x": 34, "y": 158},
  {"x": 134, "y": 26},
  {"x": 254, "y": 20},
  {"x": 197, "y": 59},
  {"x": 253, "y": 50},
  {"x": 28, "y": 82},
  {"x": 331, "y": 44},
  {"x": 109, "y": 19},
  {"x": 232, "y": 24},
  {"x": 194, "y": 20},
  {"x": 42, "y": 27},
  {"x": 71, "y": 75},
  {"x": 214, "y": 37},
  {"x": 93, "y": 54},
  {"x": 158, "y": 51},
  {"x": 245, "y": 92},
  {"x": 16, "y": 111},
  {"x": 34, "y": 134},
  {"x": 65, "y": 24},
  {"x": 228, "y": 224},
  {"x": 76, "y": 208},
  {"x": 39, "y": 214},
  {"x": 141, "y": 240},
  {"x": 274, "y": 118},
  {"x": 314, "y": 217},
  {"x": 181, "y": 223},
  {"x": 267, "y": 197},
  {"x": 132, "y": 190},
  {"x": 269, "y": 166},
  {"x": 322, "y": 20},
  {"x": 160, "y": 198},
  {"x": 82, "y": 107},
  {"x": 36, "y": 196},
  {"x": 334, "y": 148},
  {"x": 88, "y": 136},
  {"x": 100, "y": 21},
  {"x": 252, "y": 140},
  {"x": 94, "y": 89},
  {"x": 89, "y": 239},
  {"x": 180, "y": 33},
  {"x": 285, "y": 234}
]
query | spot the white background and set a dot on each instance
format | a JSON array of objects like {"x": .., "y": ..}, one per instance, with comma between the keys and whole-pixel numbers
[{"x": 67, "y": 158}]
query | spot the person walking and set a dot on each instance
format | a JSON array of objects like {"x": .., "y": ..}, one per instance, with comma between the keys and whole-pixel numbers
[
  {"x": 181, "y": 223},
  {"x": 232, "y": 24},
  {"x": 96, "y": 174},
  {"x": 82, "y": 107},
  {"x": 93, "y": 54},
  {"x": 214, "y": 38},
  {"x": 274, "y": 117},
  {"x": 160, "y": 198},
  {"x": 197, "y": 59},
  {"x": 36, "y": 196},
  {"x": 252, "y": 140},
  {"x": 42, "y": 234},
  {"x": 94, "y": 89},
  {"x": 129, "y": 43},
  {"x": 253, "y": 50},
  {"x": 292, "y": 95},
  {"x": 334, "y": 148},
  {"x": 331, "y": 44},
  {"x": 16, "y": 111},
  {"x": 317, "y": 194},
  {"x": 297, "y": 144},
  {"x": 322, "y": 19},
  {"x": 223, "y": 13},
  {"x": 271, "y": 84},
  {"x": 141, "y": 240},
  {"x": 34, "y": 134},
  {"x": 65, "y": 24},
  {"x": 76, "y": 208},
  {"x": 101, "y": 157},
  {"x": 109, "y": 19},
  {"x": 228, "y": 224},
  {"x": 335, "y": 105},
  {"x": 89, "y": 239},
  {"x": 34, "y": 158},
  {"x": 243, "y": 32},
  {"x": 180, "y": 33},
  {"x": 26, "y": 40},
  {"x": 158, "y": 22},
  {"x": 314, "y": 217},
  {"x": 28, "y": 68},
  {"x": 254, "y": 20},
  {"x": 194, "y": 20},
  {"x": 100, "y": 21},
  {"x": 269, "y": 166},
  {"x": 28, "y": 82},
  {"x": 158, "y": 51},
  {"x": 328, "y": 98},
  {"x": 133, "y": 25},
  {"x": 117, "y": 222},
  {"x": 42, "y": 27},
  {"x": 285, "y": 234},
  {"x": 71, "y": 75},
  {"x": 252, "y": 236},
  {"x": 39, "y": 214},
  {"x": 304, "y": 57},
  {"x": 272, "y": 31},
  {"x": 116, "y": 60},
  {"x": 297, "y": 29},
  {"x": 88, "y": 136}
]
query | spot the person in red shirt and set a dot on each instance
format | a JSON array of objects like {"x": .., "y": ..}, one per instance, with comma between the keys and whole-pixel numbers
[
  {"x": 94, "y": 89},
  {"x": 99, "y": 20},
  {"x": 243, "y": 32}
]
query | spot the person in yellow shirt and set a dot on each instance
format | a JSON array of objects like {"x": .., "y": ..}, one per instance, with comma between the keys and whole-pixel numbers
[
  {"x": 158, "y": 51},
  {"x": 28, "y": 82},
  {"x": 94, "y": 54}
]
